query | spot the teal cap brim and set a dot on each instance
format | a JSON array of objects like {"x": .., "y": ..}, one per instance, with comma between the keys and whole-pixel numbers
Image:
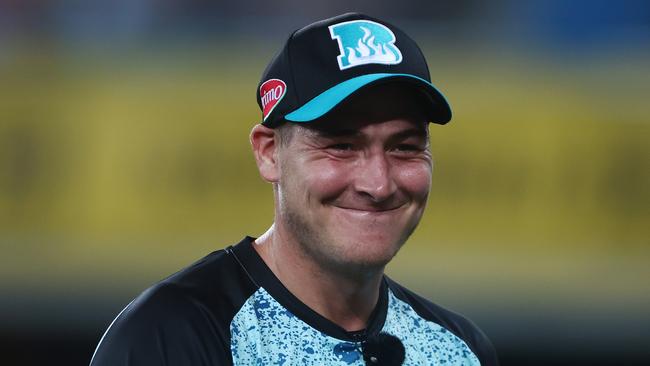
[{"x": 440, "y": 112}]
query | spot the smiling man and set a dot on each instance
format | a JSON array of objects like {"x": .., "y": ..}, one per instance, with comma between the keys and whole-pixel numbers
[{"x": 344, "y": 142}]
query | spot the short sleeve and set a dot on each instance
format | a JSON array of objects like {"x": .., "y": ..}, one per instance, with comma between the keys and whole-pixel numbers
[{"x": 163, "y": 326}]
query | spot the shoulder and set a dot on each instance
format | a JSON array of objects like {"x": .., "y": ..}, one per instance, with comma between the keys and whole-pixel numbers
[
  {"x": 459, "y": 325},
  {"x": 157, "y": 326},
  {"x": 183, "y": 319}
]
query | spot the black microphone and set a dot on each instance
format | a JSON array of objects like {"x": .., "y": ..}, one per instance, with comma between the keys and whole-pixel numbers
[{"x": 383, "y": 349}]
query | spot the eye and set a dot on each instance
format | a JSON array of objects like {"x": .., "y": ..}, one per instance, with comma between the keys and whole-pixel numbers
[
  {"x": 408, "y": 147},
  {"x": 342, "y": 150},
  {"x": 341, "y": 147}
]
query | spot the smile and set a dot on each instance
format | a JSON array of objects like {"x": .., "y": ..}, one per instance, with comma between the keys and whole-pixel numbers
[{"x": 369, "y": 210}]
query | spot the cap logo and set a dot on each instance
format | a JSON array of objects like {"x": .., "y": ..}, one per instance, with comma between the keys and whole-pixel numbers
[
  {"x": 271, "y": 92},
  {"x": 364, "y": 42}
]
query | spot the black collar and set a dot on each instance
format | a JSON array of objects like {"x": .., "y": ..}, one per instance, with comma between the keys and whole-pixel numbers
[{"x": 262, "y": 276}]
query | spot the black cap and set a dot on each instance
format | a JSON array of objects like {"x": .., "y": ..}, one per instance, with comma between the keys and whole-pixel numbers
[{"x": 324, "y": 63}]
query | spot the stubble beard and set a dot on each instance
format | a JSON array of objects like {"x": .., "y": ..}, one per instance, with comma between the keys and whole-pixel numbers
[{"x": 332, "y": 257}]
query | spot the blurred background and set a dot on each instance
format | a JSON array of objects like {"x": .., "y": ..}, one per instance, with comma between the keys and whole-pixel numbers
[{"x": 124, "y": 157}]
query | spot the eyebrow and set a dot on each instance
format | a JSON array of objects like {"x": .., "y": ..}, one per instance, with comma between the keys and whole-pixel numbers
[
  {"x": 342, "y": 132},
  {"x": 417, "y": 132},
  {"x": 349, "y": 132}
]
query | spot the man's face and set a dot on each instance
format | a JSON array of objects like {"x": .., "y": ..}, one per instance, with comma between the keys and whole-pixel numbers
[{"x": 353, "y": 187}]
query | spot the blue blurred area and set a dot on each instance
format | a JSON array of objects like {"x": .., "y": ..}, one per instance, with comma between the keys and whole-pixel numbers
[
  {"x": 565, "y": 25},
  {"x": 588, "y": 24}
]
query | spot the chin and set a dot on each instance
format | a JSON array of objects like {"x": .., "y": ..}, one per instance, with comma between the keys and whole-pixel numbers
[
  {"x": 371, "y": 251},
  {"x": 366, "y": 264}
]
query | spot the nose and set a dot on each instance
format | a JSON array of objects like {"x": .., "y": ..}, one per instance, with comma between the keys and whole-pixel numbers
[{"x": 373, "y": 177}]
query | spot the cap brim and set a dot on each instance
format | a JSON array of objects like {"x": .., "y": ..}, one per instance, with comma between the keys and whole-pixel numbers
[{"x": 439, "y": 111}]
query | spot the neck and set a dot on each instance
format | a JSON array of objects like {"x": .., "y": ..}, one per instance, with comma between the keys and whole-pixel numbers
[{"x": 346, "y": 299}]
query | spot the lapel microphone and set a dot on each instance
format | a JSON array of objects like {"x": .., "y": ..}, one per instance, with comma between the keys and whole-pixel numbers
[{"x": 383, "y": 349}]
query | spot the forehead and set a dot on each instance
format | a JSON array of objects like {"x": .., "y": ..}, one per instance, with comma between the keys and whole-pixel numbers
[{"x": 375, "y": 105}]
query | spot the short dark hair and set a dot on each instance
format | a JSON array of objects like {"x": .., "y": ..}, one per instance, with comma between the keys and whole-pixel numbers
[{"x": 285, "y": 133}]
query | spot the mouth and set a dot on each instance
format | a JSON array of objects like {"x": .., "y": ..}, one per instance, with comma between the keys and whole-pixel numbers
[{"x": 370, "y": 210}]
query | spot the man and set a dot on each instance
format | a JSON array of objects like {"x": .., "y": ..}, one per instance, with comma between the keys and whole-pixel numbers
[{"x": 344, "y": 142}]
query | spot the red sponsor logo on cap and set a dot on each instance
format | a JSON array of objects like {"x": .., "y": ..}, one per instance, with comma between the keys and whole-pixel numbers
[{"x": 271, "y": 92}]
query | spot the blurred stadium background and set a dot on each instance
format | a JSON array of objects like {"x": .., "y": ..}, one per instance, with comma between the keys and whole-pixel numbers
[{"x": 124, "y": 157}]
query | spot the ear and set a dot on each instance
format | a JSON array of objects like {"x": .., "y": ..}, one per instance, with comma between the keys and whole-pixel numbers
[{"x": 265, "y": 144}]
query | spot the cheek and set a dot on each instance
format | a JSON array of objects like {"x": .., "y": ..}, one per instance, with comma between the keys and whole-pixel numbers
[
  {"x": 321, "y": 180},
  {"x": 329, "y": 178},
  {"x": 415, "y": 179}
]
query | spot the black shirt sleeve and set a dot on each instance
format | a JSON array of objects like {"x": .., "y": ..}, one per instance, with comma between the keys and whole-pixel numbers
[
  {"x": 163, "y": 326},
  {"x": 183, "y": 320}
]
